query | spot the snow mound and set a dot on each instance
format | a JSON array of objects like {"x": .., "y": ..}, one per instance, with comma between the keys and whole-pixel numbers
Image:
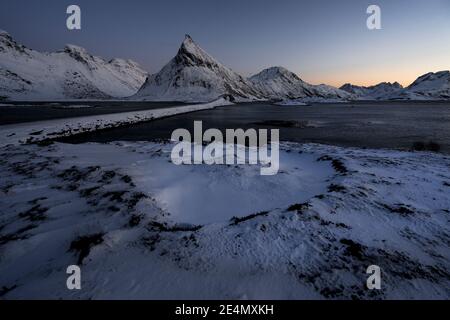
[{"x": 205, "y": 194}]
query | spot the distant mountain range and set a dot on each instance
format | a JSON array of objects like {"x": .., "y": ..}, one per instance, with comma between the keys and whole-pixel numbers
[
  {"x": 430, "y": 86},
  {"x": 192, "y": 76}
]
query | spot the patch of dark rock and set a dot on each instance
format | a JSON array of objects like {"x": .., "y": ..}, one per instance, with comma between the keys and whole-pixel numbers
[
  {"x": 4, "y": 290},
  {"x": 114, "y": 195},
  {"x": 83, "y": 245},
  {"x": 35, "y": 201},
  {"x": 36, "y": 133},
  {"x": 342, "y": 225},
  {"x": 353, "y": 248},
  {"x": 75, "y": 174},
  {"x": 299, "y": 207},
  {"x": 44, "y": 143},
  {"x": 88, "y": 191},
  {"x": 191, "y": 240},
  {"x": 337, "y": 164},
  {"x": 113, "y": 208},
  {"x": 175, "y": 228},
  {"x": 108, "y": 176},
  {"x": 127, "y": 179},
  {"x": 18, "y": 235},
  {"x": 151, "y": 241},
  {"x": 236, "y": 220},
  {"x": 331, "y": 293},
  {"x": 336, "y": 188},
  {"x": 135, "y": 198},
  {"x": 135, "y": 219},
  {"x": 36, "y": 213},
  {"x": 401, "y": 209}
]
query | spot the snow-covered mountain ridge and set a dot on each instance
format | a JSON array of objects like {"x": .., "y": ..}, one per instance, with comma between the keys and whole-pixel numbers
[
  {"x": 430, "y": 86},
  {"x": 280, "y": 83},
  {"x": 379, "y": 91},
  {"x": 192, "y": 75},
  {"x": 72, "y": 73}
]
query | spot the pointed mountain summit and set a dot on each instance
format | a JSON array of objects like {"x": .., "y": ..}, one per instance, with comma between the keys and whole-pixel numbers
[{"x": 194, "y": 75}]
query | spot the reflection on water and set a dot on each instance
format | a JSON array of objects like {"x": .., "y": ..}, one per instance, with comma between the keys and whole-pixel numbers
[{"x": 362, "y": 124}]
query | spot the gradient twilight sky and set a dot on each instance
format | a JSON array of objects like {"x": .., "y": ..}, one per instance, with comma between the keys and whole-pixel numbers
[{"x": 321, "y": 41}]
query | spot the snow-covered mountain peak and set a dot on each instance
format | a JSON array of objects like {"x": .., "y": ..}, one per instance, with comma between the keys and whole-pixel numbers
[
  {"x": 275, "y": 72},
  {"x": 280, "y": 83},
  {"x": 440, "y": 78},
  {"x": 7, "y": 43},
  {"x": 430, "y": 86},
  {"x": 124, "y": 63},
  {"x": 191, "y": 54},
  {"x": 78, "y": 53},
  {"x": 4, "y": 35},
  {"x": 380, "y": 91},
  {"x": 194, "y": 75}
]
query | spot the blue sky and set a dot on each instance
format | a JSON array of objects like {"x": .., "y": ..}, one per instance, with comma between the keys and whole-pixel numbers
[{"x": 322, "y": 41}]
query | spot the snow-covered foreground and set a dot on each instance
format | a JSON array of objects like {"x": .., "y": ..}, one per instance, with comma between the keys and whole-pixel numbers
[
  {"x": 32, "y": 132},
  {"x": 141, "y": 227}
]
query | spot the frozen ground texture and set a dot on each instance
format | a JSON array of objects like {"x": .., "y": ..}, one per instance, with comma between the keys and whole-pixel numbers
[
  {"x": 104, "y": 207},
  {"x": 50, "y": 129}
]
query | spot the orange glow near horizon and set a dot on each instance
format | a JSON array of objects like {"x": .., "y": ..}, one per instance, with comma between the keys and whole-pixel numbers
[{"x": 405, "y": 75}]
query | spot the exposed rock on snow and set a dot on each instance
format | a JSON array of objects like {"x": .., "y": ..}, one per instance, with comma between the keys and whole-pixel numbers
[
  {"x": 194, "y": 75},
  {"x": 73, "y": 73}
]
